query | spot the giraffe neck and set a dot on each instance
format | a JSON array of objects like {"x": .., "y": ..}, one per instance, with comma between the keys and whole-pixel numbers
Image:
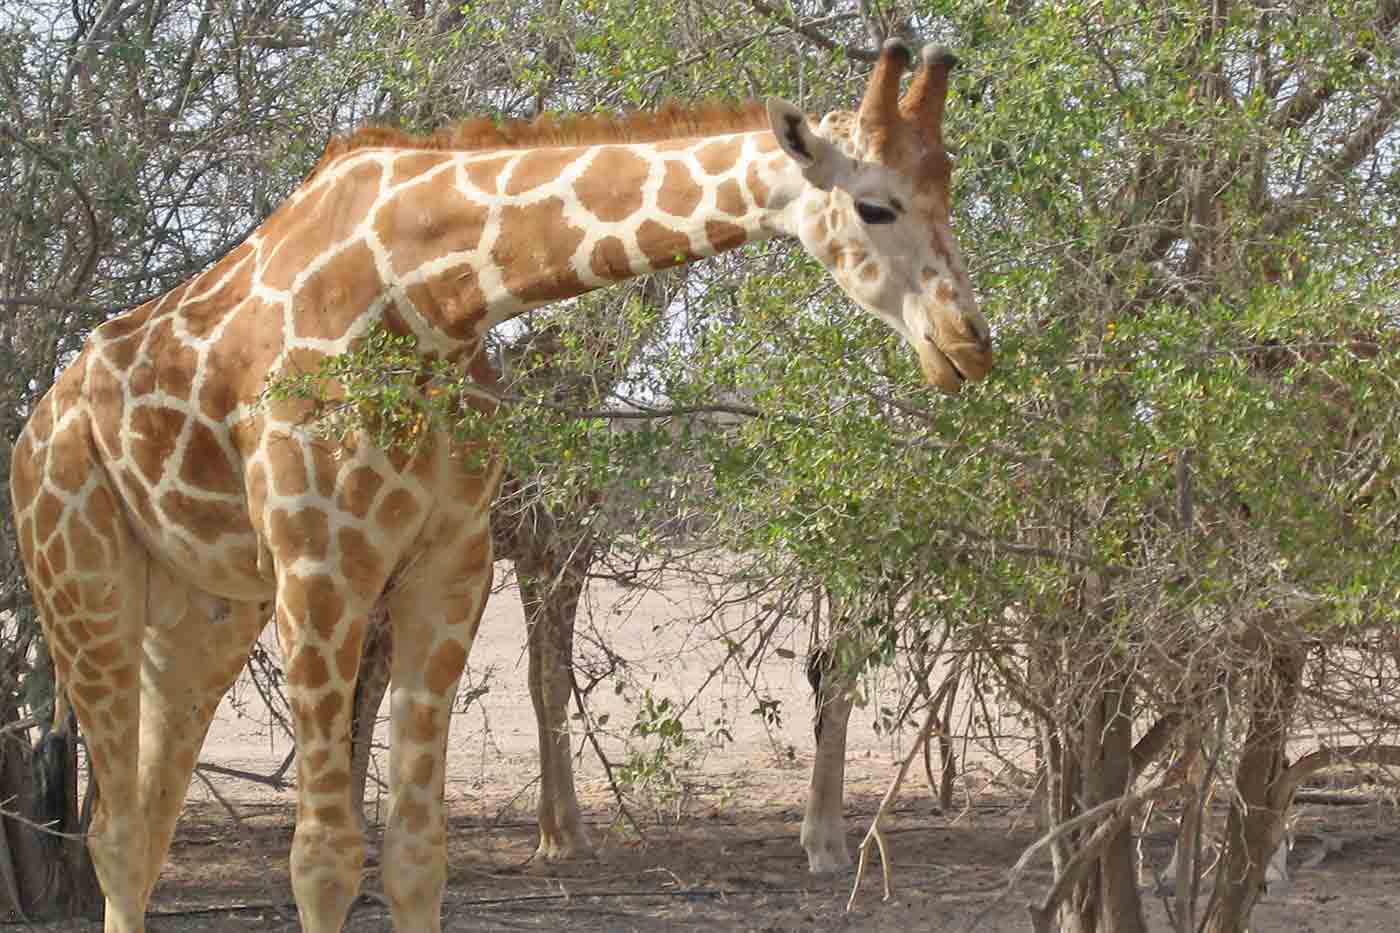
[
  {"x": 636, "y": 209},
  {"x": 465, "y": 240}
]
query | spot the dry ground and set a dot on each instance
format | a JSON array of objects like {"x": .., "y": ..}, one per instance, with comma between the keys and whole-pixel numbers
[{"x": 726, "y": 857}]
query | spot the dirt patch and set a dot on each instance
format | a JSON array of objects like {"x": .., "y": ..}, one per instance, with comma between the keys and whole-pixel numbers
[
  {"x": 734, "y": 868},
  {"x": 724, "y": 854}
]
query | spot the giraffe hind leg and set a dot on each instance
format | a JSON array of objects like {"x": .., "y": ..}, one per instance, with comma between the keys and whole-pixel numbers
[
  {"x": 95, "y": 640},
  {"x": 191, "y": 657}
]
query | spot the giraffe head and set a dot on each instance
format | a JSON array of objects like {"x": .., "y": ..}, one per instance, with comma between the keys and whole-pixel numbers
[{"x": 875, "y": 212}]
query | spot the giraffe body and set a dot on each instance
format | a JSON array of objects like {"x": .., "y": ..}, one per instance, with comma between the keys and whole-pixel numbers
[{"x": 160, "y": 507}]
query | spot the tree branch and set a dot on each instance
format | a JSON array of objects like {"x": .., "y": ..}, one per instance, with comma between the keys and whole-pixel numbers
[
  {"x": 1305, "y": 104},
  {"x": 1358, "y": 146},
  {"x": 1115, "y": 814},
  {"x": 1313, "y": 762},
  {"x": 814, "y": 35},
  {"x": 78, "y": 281},
  {"x": 50, "y": 304}
]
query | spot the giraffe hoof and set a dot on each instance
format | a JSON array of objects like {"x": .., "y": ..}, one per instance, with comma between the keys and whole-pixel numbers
[{"x": 563, "y": 850}]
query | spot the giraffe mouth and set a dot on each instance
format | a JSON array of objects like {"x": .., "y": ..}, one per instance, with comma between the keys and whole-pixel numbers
[
  {"x": 940, "y": 369},
  {"x": 952, "y": 350}
]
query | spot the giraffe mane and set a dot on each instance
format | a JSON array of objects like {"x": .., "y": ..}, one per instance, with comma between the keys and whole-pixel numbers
[{"x": 672, "y": 120}]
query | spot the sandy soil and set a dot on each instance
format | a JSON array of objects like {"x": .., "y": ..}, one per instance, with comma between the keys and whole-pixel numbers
[{"x": 723, "y": 855}]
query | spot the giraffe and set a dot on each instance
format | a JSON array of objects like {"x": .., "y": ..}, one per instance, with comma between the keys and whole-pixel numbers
[{"x": 161, "y": 505}]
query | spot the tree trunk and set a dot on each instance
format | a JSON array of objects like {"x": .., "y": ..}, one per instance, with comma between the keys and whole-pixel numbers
[
  {"x": 1063, "y": 780},
  {"x": 1122, "y": 907},
  {"x": 43, "y": 876},
  {"x": 1256, "y": 823}
]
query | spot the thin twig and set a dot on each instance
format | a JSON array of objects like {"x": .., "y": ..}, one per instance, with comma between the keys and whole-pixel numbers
[
  {"x": 274, "y": 780},
  {"x": 813, "y": 35},
  {"x": 885, "y": 803},
  {"x": 45, "y": 828},
  {"x": 214, "y": 791},
  {"x": 1115, "y": 812}
]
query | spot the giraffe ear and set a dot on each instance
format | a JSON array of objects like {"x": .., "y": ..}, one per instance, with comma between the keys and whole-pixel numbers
[{"x": 819, "y": 160}]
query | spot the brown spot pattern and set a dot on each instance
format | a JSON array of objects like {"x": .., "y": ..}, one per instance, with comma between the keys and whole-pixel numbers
[
  {"x": 142, "y": 380},
  {"x": 663, "y": 246},
  {"x": 327, "y": 215},
  {"x": 47, "y": 512},
  {"x": 347, "y": 656},
  {"x": 304, "y": 532},
  {"x": 609, "y": 259},
  {"x": 427, "y": 221},
  {"x": 326, "y": 712},
  {"x": 409, "y": 165},
  {"x": 308, "y": 668},
  {"x": 730, "y": 198},
  {"x": 611, "y": 186},
  {"x": 121, "y": 352},
  {"x": 69, "y": 458},
  {"x": 397, "y": 510},
  {"x": 724, "y": 235},
  {"x": 452, "y": 300},
  {"x": 332, "y": 782},
  {"x": 422, "y": 724},
  {"x": 716, "y": 158},
  {"x": 414, "y": 814},
  {"x": 444, "y": 666},
  {"x": 208, "y": 519},
  {"x": 357, "y": 490},
  {"x": 88, "y": 550},
  {"x": 423, "y": 767},
  {"x": 337, "y": 293},
  {"x": 485, "y": 174},
  {"x": 312, "y": 600},
  {"x": 539, "y": 167},
  {"x": 156, "y": 431},
  {"x": 206, "y": 466},
  {"x": 360, "y": 562},
  {"x": 201, "y": 315},
  {"x": 679, "y": 193},
  {"x": 535, "y": 250}
]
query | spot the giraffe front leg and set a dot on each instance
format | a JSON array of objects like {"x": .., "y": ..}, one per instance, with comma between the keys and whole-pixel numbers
[
  {"x": 322, "y": 630},
  {"x": 434, "y": 613}
]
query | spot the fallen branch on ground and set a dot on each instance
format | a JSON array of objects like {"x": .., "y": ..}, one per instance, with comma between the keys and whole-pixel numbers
[
  {"x": 1115, "y": 815},
  {"x": 885, "y": 803}
]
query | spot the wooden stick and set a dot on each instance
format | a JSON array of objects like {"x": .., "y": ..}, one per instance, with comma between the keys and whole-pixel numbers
[{"x": 885, "y": 804}]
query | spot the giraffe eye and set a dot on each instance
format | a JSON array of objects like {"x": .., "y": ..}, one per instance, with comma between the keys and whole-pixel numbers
[{"x": 874, "y": 213}]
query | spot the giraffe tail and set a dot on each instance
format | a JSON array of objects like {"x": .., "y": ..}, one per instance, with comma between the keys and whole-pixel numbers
[
  {"x": 51, "y": 760},
  {"x": 817, "y": 663}
]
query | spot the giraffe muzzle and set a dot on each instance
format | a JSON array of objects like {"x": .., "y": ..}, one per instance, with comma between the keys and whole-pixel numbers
[{"x": 949, "y": 360}]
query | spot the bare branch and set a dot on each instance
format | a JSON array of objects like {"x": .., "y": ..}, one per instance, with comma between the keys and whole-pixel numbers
[
  {"x": 1313, "y": 762},
  {"x": 1307, "y": 102},
  {"x": 1358, "y": 146},
  {"x": 814, "y": 35},
  {"x": 50, "y": 304}
]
